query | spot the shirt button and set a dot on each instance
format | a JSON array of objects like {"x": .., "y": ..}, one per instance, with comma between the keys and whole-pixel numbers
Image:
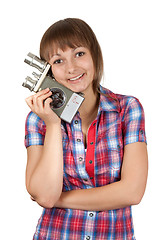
[
  {"x": 88, "y": 238},
  {"x": 80, "y": 159},
  {"x": 91, "y": 143},
  {"x": 141, "y": 131},
  {"x": 85, "y": 179},
  {"x": 76, "y": 121},
  {"x": 78, "y": 140},
  {"x": 90, "y": 161},
  {"x": 94, "y": 124},
  {"x": 118, "y": 146},
  {"x": 91, "y": 214}
]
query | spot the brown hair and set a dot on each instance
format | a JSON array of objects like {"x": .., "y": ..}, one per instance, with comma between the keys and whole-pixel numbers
[{"x": 73, "y": 32}]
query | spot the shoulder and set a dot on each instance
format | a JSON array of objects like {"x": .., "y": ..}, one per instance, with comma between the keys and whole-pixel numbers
[
  {"x": 130, "y": 112},
  {"x": 126, "y": 101},
  {"x": 130, "y": 106},
  {"x": 123, "y": 103}
]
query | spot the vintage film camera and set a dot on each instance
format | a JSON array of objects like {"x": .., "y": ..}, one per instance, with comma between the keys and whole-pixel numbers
[{"x": 65, "y": 102}]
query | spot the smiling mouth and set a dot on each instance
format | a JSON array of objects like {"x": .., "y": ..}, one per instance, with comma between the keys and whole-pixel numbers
[{"x": 76, "y": 78}]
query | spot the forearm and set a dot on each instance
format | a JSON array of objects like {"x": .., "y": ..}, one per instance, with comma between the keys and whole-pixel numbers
[
  {"x": 128, "y": 191},
  {"x": 45, "y": 182},
  {"x": 112, "y": 196}
]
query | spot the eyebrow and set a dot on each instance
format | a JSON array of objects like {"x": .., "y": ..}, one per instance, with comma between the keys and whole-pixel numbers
[
  {"x": 55, "y": 55},
  {"x": 58, "y": 54}
]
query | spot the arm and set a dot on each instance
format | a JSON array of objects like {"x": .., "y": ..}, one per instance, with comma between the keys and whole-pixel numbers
[
  {"x": 44, "y": 171},
  {"x": 128, "y": 191}
]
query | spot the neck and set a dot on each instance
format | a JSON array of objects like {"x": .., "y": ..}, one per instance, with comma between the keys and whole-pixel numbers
[{"x": 89, "y": 108}]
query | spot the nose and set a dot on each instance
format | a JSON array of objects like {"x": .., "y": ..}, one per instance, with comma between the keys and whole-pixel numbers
[{"x": 71, "y": 66}]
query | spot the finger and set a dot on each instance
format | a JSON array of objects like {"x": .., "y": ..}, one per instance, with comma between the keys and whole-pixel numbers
[
  {"x": 42, "y": 92},
  {"x": 47, "y": 102},
  {"x": 40, "y": 100},
  {"x": 38, "y": 97},
  {"x": 29, "y": 101},
  {"x": 33, "y": 98},
  {"x": 48, "y": 109},
  {"x": 36, "y": 101}
]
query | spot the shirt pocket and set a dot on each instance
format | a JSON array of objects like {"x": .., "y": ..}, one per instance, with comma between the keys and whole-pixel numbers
[
  {"x": 110, "y": 154},
  {"x": 114, "y": 155}
]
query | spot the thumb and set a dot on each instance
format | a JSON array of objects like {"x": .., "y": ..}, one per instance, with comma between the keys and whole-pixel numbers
[{"x": 47, "y": 102}]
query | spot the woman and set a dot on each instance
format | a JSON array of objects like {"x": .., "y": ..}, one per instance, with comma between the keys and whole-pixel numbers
[{"x": 86, "y": 174}]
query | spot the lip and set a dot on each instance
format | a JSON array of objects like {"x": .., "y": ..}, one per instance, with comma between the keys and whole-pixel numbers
[{"x": 77, "y": 78}]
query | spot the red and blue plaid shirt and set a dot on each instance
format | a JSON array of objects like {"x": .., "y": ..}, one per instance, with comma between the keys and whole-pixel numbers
[{"x": 120, "y": 121}]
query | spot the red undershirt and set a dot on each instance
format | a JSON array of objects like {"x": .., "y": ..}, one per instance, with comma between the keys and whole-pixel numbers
[{"x": 90, "y": 156}]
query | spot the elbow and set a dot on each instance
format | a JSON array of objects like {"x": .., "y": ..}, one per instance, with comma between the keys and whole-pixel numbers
[
  {"x": 44, "y": 200},
  {"x": 135, "y": 196},
  {"x": 136, "y": 199}
]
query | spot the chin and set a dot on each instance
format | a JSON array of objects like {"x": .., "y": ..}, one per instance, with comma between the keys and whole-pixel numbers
[{"x": 75, "y": 88}]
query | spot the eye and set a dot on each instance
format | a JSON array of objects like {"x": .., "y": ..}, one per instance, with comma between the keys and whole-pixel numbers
[
  {"x": 58, "y": 61},
  {"x": 79, "y": 54}
]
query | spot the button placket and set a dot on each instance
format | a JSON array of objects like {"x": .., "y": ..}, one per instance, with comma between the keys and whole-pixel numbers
[
  {"x": 90, "y": 223},
  {"x": 76, "y": 121},
  {"x": 80, "y": 159},
  {"x": 79, "y": 152},
  {"x": 88, "y": 238},
  {"x": 91, "y": 214}
]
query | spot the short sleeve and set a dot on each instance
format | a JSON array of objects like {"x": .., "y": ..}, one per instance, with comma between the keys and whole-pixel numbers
[
  {"x": 134, "y": 122},
  {"x": 34, "y": 130}
]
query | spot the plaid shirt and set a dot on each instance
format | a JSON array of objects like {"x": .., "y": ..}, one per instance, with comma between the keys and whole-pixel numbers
[{"x": 120, "y": 121}]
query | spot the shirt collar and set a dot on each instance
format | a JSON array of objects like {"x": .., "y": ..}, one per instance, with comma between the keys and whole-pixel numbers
[{"x": 108, "y": 101}]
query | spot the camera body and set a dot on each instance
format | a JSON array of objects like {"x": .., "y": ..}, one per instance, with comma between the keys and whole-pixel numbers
[{"x": 65, "y": 103}]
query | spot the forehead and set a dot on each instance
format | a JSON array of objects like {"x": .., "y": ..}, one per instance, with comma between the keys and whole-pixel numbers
[
  {"x": 56, "y": 51},
  {"x": 54, "y": 46}
]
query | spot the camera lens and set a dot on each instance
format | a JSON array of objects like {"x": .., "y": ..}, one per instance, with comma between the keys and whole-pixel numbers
[{"x": 58, "y": 97}]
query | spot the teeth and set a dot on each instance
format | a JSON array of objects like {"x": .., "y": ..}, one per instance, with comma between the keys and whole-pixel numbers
[{"x": 73, "y": 79}]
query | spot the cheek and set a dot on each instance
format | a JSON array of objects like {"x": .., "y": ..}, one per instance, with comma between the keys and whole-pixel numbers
[
  {"x": 91, "y": 68},
  {"x": 57, "y": 73},
  {"x": 52, "y": 69}
]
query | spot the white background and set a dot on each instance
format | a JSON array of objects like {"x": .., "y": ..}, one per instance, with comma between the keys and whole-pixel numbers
[{"x": 129, "y": 35}]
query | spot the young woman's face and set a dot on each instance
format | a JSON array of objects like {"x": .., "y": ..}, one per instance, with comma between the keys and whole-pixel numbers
[{"x": 73, "y": 68}]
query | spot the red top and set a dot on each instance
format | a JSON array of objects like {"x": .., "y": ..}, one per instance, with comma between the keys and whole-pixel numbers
[{"x": 90, "y": 154}]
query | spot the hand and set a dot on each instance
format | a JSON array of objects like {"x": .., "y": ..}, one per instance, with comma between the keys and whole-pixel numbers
[{"x": 39, "y": 103}]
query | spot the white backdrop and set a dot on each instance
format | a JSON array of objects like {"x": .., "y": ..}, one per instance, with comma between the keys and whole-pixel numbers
[{"x": 129, "y": 35}]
